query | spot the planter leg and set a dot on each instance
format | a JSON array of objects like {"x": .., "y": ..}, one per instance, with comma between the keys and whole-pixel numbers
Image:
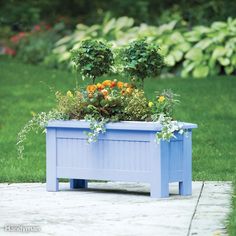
[
  {"x": 51, "y": 175},
  {"x": 52, "y": 185},
  {"x": 159, "y": 190},
  {"x": 78, "y": 183},
  {"x": 185, "y": 187},
  {"x": 160, "y": 174}
]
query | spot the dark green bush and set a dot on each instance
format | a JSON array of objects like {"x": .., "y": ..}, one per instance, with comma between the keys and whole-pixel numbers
[
  {"x": 142, "y": 60},
  {"x": 93, "y": 58}
]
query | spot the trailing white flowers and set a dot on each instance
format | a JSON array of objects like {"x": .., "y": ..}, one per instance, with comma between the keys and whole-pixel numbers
[
  {"x": 38, "y": 122},
  {"x": 96, "y": 127},
  {"x": 169, "y": 127}
]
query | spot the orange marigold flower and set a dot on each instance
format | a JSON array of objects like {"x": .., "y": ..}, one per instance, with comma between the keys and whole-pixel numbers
[
  {"x": 107, "y": 83},
  {"x": 100, "y": 86},
  {"x": 91, "y": 88},
  {"x": 120, "y": 84},
  {"x": 113, "y": 84}
]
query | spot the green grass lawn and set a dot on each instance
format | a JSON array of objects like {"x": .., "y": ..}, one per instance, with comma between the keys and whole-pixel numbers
[{"x": 210, "y": 103}]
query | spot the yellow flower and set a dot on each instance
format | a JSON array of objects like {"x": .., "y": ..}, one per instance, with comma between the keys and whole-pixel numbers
[
  {"x": 128, "y": 90},
  {"x": 161, "y": 99},
  {"x": 69, "y": 94},
  {"x": 150, "y": 104}
]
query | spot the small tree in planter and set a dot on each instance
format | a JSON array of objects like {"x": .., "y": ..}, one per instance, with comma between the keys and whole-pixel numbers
[
  {"x": 93, "y": 59},
  {"x": 142, "y": 60}
]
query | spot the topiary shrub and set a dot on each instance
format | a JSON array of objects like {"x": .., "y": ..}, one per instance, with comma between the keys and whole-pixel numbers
[
  {"x": 142, "y": 60},
  {"x": 93, "y": 59}
]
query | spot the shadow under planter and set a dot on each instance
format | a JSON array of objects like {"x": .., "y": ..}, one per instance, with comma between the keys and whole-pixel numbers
[{"x": 126, "y": 152}]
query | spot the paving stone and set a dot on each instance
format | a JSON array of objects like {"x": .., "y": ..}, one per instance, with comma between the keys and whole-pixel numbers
[{"x": 114, "y": 208}]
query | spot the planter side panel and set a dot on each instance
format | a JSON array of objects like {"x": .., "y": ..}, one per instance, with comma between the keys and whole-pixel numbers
[{"x": 117, "y": 155}]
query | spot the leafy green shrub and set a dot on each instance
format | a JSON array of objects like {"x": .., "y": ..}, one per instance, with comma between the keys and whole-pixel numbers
[
  {"x": 142, "y": 60},
  {"x": 35, "y": 47},
  {"x": 112, "y": 30},
  {"x": 93, "y": 58},
  {"x": 213, "y": 50},
  {"x": 199, "y": 52}
]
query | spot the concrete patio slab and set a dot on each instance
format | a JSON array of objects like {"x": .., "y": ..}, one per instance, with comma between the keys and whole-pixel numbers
[{"x": 114, "y": 209}]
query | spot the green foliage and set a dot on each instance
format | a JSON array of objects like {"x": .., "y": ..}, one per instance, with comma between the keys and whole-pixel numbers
[
  {"x": 136, "y": 106},
  {"x": 93, "y": 58},
  {"x": 165, "y": 103},
  {"x": 111, "y": 29},
  {"x": 36, "y": 46},
  {"x": 142, "y": 60},
  {"x": 213, "y": 50},
  {"x": 197, "y": 52},
  {"x": 70, "y": 104}
]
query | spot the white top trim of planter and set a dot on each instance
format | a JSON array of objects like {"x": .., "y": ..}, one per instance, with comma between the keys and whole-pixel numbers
[{"x": 123, "y": 125}]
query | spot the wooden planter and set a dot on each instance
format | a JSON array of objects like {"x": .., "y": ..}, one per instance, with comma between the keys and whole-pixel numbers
[{"x": 126, "y": 152}]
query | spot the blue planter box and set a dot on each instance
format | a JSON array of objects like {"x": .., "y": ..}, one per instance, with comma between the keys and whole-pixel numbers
[{"x": 126, "y": 152}]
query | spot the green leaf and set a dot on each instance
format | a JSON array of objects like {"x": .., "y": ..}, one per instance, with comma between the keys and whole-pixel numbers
[
  {"x": 189, "y": 67},
  {"x": 218, "y": 25},
  {"x": 109, "y": 26},
  {"x": 64, "y": 56},
  {"x": 176, "y": 37},
  {"x": 224, "y": 61},
  {"x": 178, "y": 55},
  {"x": 195, "y": 54},
  {"x": 229, "y": 70},
  {"x": 201, "y": 29},
  {"x": 63, "y": 40},
  {"x": 200, "y": 71},
  {"x": 124, "y": 22},
  {"x": 170, "y": 60},
  {"x": 203, "y": 44},
  {"x": 233, "y": 60},
  {"x": 193, "y": 36},
  {"x": 164, "y": 49},
  {"x": 218, "y": 52},
  {"x": 184, "y": 47}
]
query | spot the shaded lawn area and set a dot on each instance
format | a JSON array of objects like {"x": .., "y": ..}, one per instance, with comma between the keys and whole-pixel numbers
[{"x": 211, "y": 103}]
